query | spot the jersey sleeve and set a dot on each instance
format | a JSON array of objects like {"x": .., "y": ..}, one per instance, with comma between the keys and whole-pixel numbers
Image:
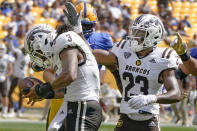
[
  {"x": 68, "y": 39},
  {"x": 166, "y": 58},
  {"x": 171, "y": 60}
]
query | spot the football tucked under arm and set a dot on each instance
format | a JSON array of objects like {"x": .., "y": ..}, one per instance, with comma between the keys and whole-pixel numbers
[{"x": 27, "y": 83}]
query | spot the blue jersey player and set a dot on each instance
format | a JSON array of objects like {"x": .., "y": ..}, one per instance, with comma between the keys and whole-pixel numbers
[{"x": 89, "y": 19}]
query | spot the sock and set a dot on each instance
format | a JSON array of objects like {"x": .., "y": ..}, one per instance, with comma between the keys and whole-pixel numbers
[{"x": 5, "y": 109}]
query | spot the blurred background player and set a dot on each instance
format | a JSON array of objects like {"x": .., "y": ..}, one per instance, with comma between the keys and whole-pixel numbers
[
  {"x": 96, "y": 41},
  {"x": 6, "y": 70},
  {"x": 21, "y": 65}
]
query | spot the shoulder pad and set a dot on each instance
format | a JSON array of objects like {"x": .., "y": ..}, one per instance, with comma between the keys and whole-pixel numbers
[{"x": 68, "y": 39}]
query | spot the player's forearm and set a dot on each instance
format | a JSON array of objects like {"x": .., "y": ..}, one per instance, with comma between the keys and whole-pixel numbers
[
  {"x": 48, "y": 75},
  {"x": 191, "y": 66},
  {"x": 63, "y": 80},
  {"x": 104, "y": 57},
  {"x": 171, "y": 96}
]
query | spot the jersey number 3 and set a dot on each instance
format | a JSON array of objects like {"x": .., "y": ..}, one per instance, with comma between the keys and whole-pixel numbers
[{"x": 131, "y": 84}]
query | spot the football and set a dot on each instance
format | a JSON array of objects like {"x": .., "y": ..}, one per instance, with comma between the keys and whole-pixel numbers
[{"x": 27, "y": 83}]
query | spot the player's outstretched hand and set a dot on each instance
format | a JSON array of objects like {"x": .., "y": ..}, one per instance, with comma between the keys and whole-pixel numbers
[
  {"x": 139, "y": 101},
  {"x": 178, "y": 45},
  {"x": 72, "y": 17}
]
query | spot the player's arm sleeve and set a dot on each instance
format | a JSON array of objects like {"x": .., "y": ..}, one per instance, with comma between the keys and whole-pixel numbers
[
  {"x": 180, "y": 74},
  {"x": 114, "y": 70}
]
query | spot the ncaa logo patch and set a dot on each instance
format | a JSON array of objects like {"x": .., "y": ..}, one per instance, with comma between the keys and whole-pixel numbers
[
  {"x": 127, "y": 55},
  {"x": 120, "y": 123},
  {"x": 138, "y": 62}
]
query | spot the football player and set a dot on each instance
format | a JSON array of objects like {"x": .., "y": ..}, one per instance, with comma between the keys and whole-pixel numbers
[
  {"x": 96, "y": 41},
  {"x": 6, "y": 70},
  {"x": 20, "y": 70},
  {"x": 189, "y": 65},
  {"x": 75, "y": 70},
  {"x": 143, "y": 67}
]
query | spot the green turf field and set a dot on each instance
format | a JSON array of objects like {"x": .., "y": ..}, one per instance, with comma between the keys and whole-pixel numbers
[{"x": 12, "y": 126}]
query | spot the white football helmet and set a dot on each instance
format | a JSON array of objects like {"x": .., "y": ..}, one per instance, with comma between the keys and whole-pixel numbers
[
  {"x": 3, "y": 49},
  {"x": 38, "y": 44},
  {"x": 146, "y": 31}
]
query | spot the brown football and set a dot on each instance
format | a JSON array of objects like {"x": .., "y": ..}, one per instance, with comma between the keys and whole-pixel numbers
[{"x": 27, "y": 83}]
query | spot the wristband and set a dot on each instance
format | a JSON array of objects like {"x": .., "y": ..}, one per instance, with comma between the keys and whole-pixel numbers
[
  {"x": 185, "y": 56},
  {"x": 45, "y": 90}
]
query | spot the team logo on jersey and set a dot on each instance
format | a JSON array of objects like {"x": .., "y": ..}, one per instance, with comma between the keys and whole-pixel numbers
[
  {"x": 138, "y": 62},
  {"x": 120, "y": 123},
  {"x": 127, "y": 55},
  {"x": 152, "y": 60}
]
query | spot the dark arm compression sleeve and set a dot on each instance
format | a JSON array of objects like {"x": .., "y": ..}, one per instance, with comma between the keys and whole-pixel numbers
[
  {"x": 180, "y": 74},
  {"x": 118, "y": 80}
]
